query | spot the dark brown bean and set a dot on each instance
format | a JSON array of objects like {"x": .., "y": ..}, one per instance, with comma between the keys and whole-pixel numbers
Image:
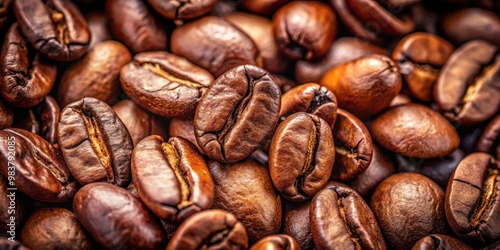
[
  {"x": 182, "y": 9},
  {"x": 474, "y": 23},
  {"x": 440, "y": 241},
  {"x": 276, "y": 242},
  {"x": 489, "y": 141}
]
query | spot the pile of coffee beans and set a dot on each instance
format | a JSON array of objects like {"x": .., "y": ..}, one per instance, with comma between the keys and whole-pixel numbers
[{"x": 249, "y": 124}]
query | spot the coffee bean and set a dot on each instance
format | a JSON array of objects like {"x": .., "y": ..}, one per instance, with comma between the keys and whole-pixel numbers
[
  {"x": 196, "y": 42},
  {"x": 95, "y": 143},
  {"x": 182, "y": 10},
  {"x": 408, "y": 206},
  {"x": 98, "y": 24},
  {"x": 416, "y": 131},
  {"x": 55, "y": 228},
  {"x": 210, "y": 229},
  {"x": 440, "y": 241},
  {"x": 419, "y": 57},
  {"x": 236, "y": 114},
  {"x": 301, "y": 156},
  {"x": 304, "y": 29},
  {"x": 488, "y": 141},
  {"x": 185, "y": 129},
  {"x": 164, "y": 84},
  {"x": 38, "y": 168},
  {"x": 263, "y": 7},
  {"x": 468, "y": 90},
  {"x": 474, "y": 23},
  {"x": 172, "y": 178},
  {"x": 471, "y": 204},
  {"x": 338, "y": 214},
  {"x": 26, "y": 76},
  {"x": 296, "y": 223},
  {"x": 55, "y": 28},
  {"x": 364, "y": 86},
  {"x": 116, "y": 219},
  {"x": 276, "y": 242}
]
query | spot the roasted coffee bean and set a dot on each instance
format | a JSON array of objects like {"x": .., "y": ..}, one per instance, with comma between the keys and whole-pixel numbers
[
  {"x": 116, "y": 219},
  {"x": 164, "y": 84},
  {"x": 98, "y": 24},
  {"x": 6, "y": 116},
  {"x": 408, "y": 206},
  {"x": 470, "y": 24},
  {"x": 210, "y": 229},
  {"x": 364, "y": 86},
  {"x": 472, "y": 206},
  {"x": 196, "y": 42},
  {"x": 95, "y": 75},
  {"x": 437, "y": 169},
  {"x": 95, "y": 143},
  {"x": 343, "y": 50},
  {"x": 55, "y": 28},
  {"x": 353, "y": 147},
  {"x": 301, "y": 156},
  {"x": 55, "y": 228},
  {"x": 26, "y": 76},
  {"x": 8, "y": 244},
  {"x": 338, "y": 215},
  {"x": 246, "y": 190},
  {"x": 276, "y": 242},
  {"x": 260, "y": 29},
  {"x": 263, "y": 7},
  {"x": 37, "y": 167},
  {"x": 311, "y": 98},
  {"x": 440, "y": 241},
  {"x": 183, "y": 128},
  {"x": 139, "y": 122},
  {"x": 379, "y": 169},
  {"x": 370, "y": 20},
  {"x": 305, "y": 29},
  {"x": 419, "y": 57},
  {"x": 172, "y": 178},
  {"x": 41, "y": 119},
  {"x": 12, "y": 207},
  {"x": 415, "y": 130},
  {"x": 136, "y": 26},
  {"x": 5, "y": 10},
  {"x": 182, "y": 9},
  {"x": 236, "y": 114},
  {"x": 489, "y": 141},
  {"x": 296, "y": 223},
  {"x": 468, "y": 88}
]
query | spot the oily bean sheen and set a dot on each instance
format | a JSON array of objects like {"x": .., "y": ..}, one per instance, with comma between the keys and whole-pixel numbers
[
  {"x": 353, "y": 147},
  {"x": 210, "y": 229},
  {"x": 95, "y": 143},
  {"x": 55, "y": 28},
  {"x": 55, "y": 228},
  {"x": 370, "y": 20},
  {"x": 276, "y": 242},
  {"x": 196, "y": 42},
  {"x": 95, "y": 75},
  {"x": 38, "y": 168},
  {"x": 26, "y": 77},
  {"x": 441, "y": 242},
  {"x": 408, "y": 206},
  {"x": 415, "y": 130},
  {"x": 343, "y": 50},
  {"x": 246, "y": 190},
  {"x": 472, "y": 199},
  {"x": 6, "y": 116},
  {"x": 474, "y": 23},
  {"x": 468, "y": 88},
  {"x": 419, "y": 57},
  {"x": 116, "y": 219},
  {"x": 311, "y": 98},
  {"x": 164, "y": 84},
  {"x": 182, "y": 9},
  {"x": 364, "y": 86},
  {"x": 301, "y": 156},
  {"x": 136, "y": 26},
  {"x": 340, "y": 219},
  {"x": 172, "y": 178},
  {"x": 237, "y": 113},
  {"x": 260, "y": 29},
  {"x": 139, "y": 122},
  {"x": 304, "y": 29},
  {"x": 489, "y": 141}
]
